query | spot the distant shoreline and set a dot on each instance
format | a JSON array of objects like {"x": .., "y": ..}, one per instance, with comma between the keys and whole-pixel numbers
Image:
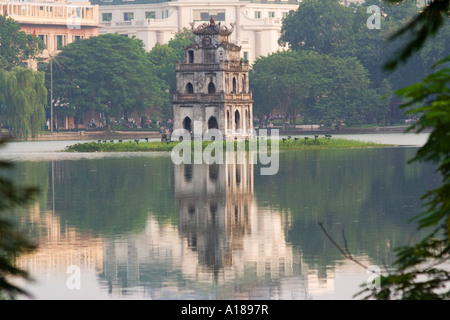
[{"x": 103, "y": 135}]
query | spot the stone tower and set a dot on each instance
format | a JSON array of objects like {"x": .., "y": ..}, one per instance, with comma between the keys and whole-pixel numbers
[{"x": 212, "y": 86}]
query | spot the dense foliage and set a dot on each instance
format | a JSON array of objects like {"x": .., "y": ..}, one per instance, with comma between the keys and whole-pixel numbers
[
  {"x": 323, "y": 89},
  {"x": 339, "y": 33},
  {"x": 421, "y": 268},
  {"x": 22, "y": 91},
  {"x": 22, "y": 101},
  {"x": 16, "y": 45},
  {"x": 164, "y": 58},
  {"x": 12, "y": 242},
  {"x": 109, "y": 74}
]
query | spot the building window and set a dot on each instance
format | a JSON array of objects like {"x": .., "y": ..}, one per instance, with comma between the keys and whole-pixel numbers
[
  {"x": 271, "y": 14},
  {"x": 150, "y": 15},
  {"x": 187, "y": 124},
  {"x": 245, "y": 55},
  {"x": 59, "y": 42},
  {"x": 106, "y": 17},
  {"x": 128, "y": 16},
  {"x": 237, "y": 120},
  {"x": 43, "y": 38},
  {"x": 76, "y": 38},
  {"x": 189, "y": 88},
  {"x": 190, "y": 56},
  {"x": 211, "y": 88},
  {"x": 212, "y": 123},
  {"x": 206, "y": 15},
  {"x": 284, "y": 15},
  {"x": 257, "y": 14}
]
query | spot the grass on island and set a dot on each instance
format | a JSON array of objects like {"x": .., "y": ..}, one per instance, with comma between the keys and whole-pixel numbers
[{"x": 295, "y": 143}]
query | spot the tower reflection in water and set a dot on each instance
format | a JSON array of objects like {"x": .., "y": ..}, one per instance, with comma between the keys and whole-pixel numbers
[
  {"x": 233, "y": 241},
  {"x": 221, "y": 246}
]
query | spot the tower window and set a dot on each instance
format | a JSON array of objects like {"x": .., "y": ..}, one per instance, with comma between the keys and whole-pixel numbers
[
  {"x": 237, "y": 120},
  {"x": 211, "y": 88},
  {"x": 212, "y": 123},
  {"x": 187, "y": 124},
  {"x": 189, "y": 88},
  {"x": 190, "y": 56}
]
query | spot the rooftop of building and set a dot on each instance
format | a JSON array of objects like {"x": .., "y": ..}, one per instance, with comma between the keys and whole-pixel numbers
[{"x": 129, "y": 2}]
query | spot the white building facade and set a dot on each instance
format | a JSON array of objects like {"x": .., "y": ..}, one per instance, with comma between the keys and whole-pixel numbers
[{"x": 257, "y": 23}]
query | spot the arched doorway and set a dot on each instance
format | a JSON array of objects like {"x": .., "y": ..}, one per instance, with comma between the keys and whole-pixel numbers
[
  {"x": 211, "y": 88},
  {"x": 237, "y": 120},
  {"x": 189, "y": 88},
  {"x": 212, "y": 123},
  {"x": 187, "y": 124}
]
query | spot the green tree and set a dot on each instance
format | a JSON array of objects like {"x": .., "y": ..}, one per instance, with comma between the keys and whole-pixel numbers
[
  {"x": 181, "y": 40},
  {"x": 329, "y": 27},
  {"x": 418, "y": 30},
  {"x": 23, "y": 96},
  {"x": 280, "y": 82},
  {"x": 15, "y": 45},
  {"x": 109, "y": 74},
  {"x": 12, "y": 243},
  {"x": 324, "y": 89},
  {"x": 344, "y": 94},
  {"x": 370, "y": 46},
  {"x": 164, "y": 58},
  {"x": 439, "y": 47},
  {"x": 318, "y": 25}
]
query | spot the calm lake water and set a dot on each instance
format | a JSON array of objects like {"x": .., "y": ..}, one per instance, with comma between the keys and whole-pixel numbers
[{"x": 136, "y": 226}]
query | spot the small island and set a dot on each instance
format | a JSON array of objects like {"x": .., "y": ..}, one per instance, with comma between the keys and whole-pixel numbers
[{"x": 288, "y": 143}]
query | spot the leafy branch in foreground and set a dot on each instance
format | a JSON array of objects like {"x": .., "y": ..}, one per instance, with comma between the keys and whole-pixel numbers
[
  {"x": 424, "y": 26},
  {"x": 345, "y": 251},
  {"x": 422, "y": 269},
  {"x": 12, "y": 242}
]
